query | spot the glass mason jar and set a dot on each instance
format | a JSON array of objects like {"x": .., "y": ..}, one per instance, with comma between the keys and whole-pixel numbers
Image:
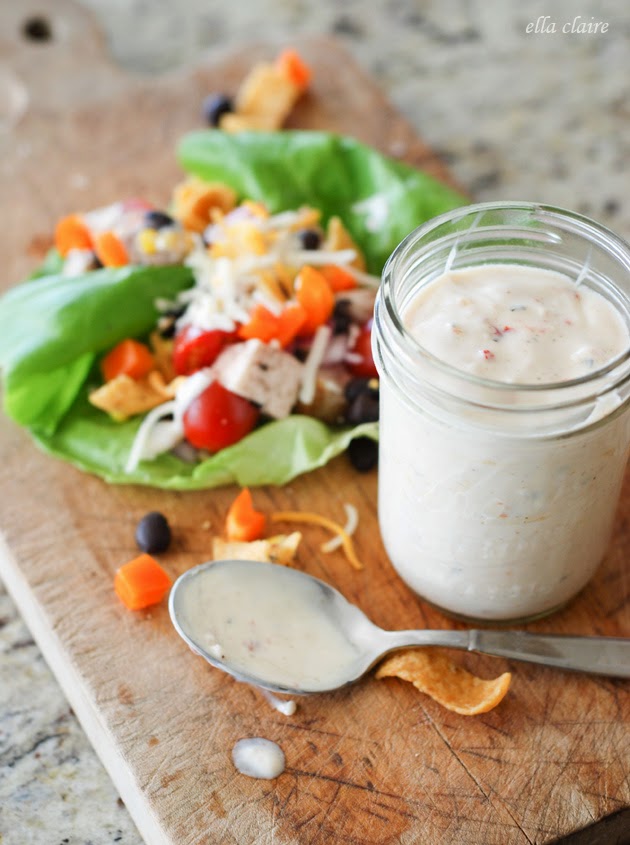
[{"x": 496, "y": 501}]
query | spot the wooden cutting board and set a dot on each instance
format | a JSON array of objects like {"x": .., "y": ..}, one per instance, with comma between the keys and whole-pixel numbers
[{"x": 378, "y": 763}]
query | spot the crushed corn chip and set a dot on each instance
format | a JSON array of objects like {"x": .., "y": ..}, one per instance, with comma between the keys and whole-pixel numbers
[
  {"x": 162, "y": 349},
  {"x": 124, "y": 397},
  {"x": 338, "y": 237},
  {"x": 331, "y": 525},
  {"x": 278, "y": 549},
  {"x": 194, "y": 201},
  {"x": 266, "y": 96},
  {"x": 447, "y": 683}
]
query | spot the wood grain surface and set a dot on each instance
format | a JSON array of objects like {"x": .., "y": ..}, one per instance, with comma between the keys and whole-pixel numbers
[{"x": 378, "y": 763}]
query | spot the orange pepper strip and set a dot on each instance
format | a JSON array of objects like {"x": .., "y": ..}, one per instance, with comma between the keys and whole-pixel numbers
[
  {"x": 110, "y": 250},
  {"x": 293, "y": 66},
  {"x": 266, "y": 326},
  {"x": 262, "y": 325},
  {"x": 243, "y": 522},
  {"x": 338, "y": 278},
  {"x": 141, "y": 582},
  {"x": 72, "y": 233},
  {"x": 316, "y": 297},
  {"x": 290, "y": 322},
  {"x": 130, "y": 358}
]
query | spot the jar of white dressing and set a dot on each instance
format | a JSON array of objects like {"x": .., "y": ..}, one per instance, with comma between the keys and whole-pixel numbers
[{"x": 502, "y": 339}]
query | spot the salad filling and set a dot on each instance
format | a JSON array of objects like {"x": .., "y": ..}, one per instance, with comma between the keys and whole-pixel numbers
[{"x": 278, "y": 318}]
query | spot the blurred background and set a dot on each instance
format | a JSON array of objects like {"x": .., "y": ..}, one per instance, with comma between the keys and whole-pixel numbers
[{"x": 516, "y": 110}]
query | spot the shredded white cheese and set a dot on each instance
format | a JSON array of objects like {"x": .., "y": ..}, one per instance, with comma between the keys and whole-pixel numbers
[
  {"x": 313, "y": 363},
  {"x": 157, "y": 435},
  {"x": 352, "y": 521}
]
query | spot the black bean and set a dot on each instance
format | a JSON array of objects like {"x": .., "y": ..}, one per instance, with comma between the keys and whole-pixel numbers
[
  {"x": 341, "y": 318},
  {"x": 363, "y": 408},
  {"x": 309, "y": 238},
  {"x": 153, "y": 533},
  {"x": 167, "y": 322},
  {"x": 155, "y": 219},
  {"x": 215, "y": 106},
  {"x": 363, "y": 453},
  {"x": 361, "y": 385}
]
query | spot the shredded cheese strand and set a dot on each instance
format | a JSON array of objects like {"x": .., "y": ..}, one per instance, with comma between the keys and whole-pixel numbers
[
  {"x": 313, "y": 363},
  {"x": 352, "y": 520},
  {"x": 324, "y": 522}
]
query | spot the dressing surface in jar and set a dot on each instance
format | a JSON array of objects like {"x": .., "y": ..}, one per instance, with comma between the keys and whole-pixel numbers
[{"x": 503, "y": 343}]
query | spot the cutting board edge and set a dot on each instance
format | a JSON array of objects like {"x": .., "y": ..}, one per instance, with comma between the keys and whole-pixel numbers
[{"x": 71, "y": 682}]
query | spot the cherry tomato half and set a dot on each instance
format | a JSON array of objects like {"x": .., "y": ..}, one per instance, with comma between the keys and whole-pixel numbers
[
  {"x": 218, "y": 418},
  {"x": 195, "y": 348},
  {"x": 363, "y": 348}
]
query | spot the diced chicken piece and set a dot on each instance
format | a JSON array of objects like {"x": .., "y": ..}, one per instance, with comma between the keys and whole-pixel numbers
[
  {"x": 261, "y": 373},
  {"x": 329, "y": 403},
  {"x": 338, "y": 237},
  {"x": 124, "y": 397},
  {"x": 279, "y": 549}
]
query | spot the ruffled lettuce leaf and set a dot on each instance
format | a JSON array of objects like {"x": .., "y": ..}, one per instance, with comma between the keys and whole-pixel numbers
[
  {"x": 53, "y": 328},
  {"x": 379, "y": 199}
]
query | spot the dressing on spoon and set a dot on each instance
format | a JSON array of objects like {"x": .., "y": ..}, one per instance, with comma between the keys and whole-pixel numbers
[{"x": 286, "y": 631}]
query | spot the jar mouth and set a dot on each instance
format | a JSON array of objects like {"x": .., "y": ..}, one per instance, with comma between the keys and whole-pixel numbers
[{"x": 517, "y": 230}]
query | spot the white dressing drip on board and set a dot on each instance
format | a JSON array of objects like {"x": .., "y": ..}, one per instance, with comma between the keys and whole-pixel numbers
[{"x": 258, "y": 758}]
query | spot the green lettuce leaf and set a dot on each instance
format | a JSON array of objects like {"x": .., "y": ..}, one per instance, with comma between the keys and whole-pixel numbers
[
  {"x": 379, "y": 199},
  {"x": 53, "y": 329}
]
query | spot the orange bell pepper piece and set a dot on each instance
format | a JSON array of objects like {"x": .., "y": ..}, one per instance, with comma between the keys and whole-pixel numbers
[
  {"x": 293, "y": 66},
  {"x": 316, "y": 297},
  {"x": 130, "y": 358},
  {"x": 266, "y": 326},
  {"x": 72, "y": 233},
  {"x": 243, "y": 522},
  {"x": 338, "y": 278},
  {"x": 110, "y": 250}
]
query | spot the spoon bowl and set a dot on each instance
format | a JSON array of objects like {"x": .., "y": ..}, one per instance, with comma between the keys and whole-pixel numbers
[{"x": 286, "y": 631}]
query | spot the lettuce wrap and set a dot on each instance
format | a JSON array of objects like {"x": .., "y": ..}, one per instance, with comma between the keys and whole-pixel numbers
[{"x": 54, "y": 328}]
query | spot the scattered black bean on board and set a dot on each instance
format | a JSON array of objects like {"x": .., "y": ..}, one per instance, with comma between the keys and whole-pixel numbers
[
  {"x": 215, "y": 106},
  {"x": 363, "y": 453},
  {"x": 153, "y": 533}
]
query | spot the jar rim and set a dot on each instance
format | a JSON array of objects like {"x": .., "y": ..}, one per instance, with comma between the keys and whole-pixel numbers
[{"x": 580, "y": 224}]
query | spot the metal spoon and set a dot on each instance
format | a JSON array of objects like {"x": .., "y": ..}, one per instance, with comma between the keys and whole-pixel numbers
[{"x": 286, "y": 631}]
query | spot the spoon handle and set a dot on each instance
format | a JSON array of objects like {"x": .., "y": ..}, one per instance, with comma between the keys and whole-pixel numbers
[{"x": 597, "y": 655}]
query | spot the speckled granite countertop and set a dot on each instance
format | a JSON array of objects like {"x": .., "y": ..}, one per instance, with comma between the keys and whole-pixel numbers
[{"x": 536, "y": 115}]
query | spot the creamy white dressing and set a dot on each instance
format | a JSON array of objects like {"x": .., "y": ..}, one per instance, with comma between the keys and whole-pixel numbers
[
  {"x": 496, "y": 523},
  {"x": 516, "y": 324},
  {"x": 287, "y": 639},
  {"x": 258, "y": 758}
]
